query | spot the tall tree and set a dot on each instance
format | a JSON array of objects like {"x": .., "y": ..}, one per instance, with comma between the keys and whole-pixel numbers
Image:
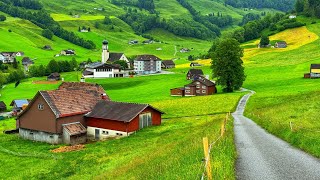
[
  {"x": 227, "y": 64},
  {"x": 264, "y": 41}
]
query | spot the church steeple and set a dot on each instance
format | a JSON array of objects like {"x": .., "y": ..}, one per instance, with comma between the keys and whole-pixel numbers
[{"x": 105, "y": 51}]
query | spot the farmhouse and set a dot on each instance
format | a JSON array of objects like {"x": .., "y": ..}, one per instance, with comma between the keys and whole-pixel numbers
[
  {"x": 47, "y": 47},
  {"x": 280, "y": 44},
  {"x": 199, "y": 87},
  {"x": 19, "y": 104},
  {"x": 120, "y": 119},
  {"x": 27, "y": 62},
  {"x": 54, "y": 77},
  {"x": 8, "y": 57},
  {"x": 194, "y": 74},
  {"x": 68, "y": 52},
  {"x": 168, "y": 64},
  {"x": 147, "y": 64},
  {"x": 57, "y": 116},
  {"x": 3, "y": 106},
  {"x": 184, "y": 50}
]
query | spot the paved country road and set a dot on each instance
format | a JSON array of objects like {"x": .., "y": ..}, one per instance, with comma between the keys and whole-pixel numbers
[{"x": 263, "y": 156}]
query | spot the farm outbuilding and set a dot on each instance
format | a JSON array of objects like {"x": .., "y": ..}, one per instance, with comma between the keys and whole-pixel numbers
[
  {"x": 3, "y": 106},
  {"x": 194, "y": 73},
  {"x": 110, "y": 119},
  {"x": 177, "y": 91},
  {"x": 280, "y": 44},
  {"x": 54, "y": 77}
]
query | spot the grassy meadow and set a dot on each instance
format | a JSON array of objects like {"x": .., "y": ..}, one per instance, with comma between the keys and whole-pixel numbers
[{"x": 282, "y": 94}]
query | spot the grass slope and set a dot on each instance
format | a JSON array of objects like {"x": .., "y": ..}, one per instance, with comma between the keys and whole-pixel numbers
[{"x": 282, "y": 93}]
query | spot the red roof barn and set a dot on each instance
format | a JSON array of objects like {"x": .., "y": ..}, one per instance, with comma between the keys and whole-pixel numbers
[{"x": 109, "y": 119}]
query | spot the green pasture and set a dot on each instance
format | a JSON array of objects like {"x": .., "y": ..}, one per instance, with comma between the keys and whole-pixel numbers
[{"x": 284, "y": 96}]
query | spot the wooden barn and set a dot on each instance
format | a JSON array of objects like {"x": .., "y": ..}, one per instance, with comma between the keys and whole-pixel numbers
[
  {"x": 54, "y": 77},
  {"x": 168, "y": 64},
  {"x": 280, "y": 44},
  {"x": 110, "y": 119},
  {"x": 194, "y": 73},
  {"x": 3, "y": 106},
  {"x": 177, "y": 91},
  {"x": 57, "y": 116}
]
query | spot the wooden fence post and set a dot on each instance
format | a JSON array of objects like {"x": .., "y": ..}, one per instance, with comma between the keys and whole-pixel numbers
[
  {"x": 207, "y": 157},
  {"x": 291, "y": 126},
  {"x": 222, "y": 128}
]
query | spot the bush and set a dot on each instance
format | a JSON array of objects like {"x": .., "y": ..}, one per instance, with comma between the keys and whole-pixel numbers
[{"x": 2, "y": 18}]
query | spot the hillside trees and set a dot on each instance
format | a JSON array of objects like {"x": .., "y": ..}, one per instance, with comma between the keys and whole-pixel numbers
[
  {"x": 308, "y": 7},
  {"x": 44, "y": 20},
  {"x": 147, "y": 5},
  {"x": 282, "y": 5},
  {"x": 227, "y": 64},
  {"x": 47, "y": 33},
  {"x": 2, "y": 17}
]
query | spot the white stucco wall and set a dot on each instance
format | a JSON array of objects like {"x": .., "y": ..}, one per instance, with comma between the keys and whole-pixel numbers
[{"x": 111, "y": 133}]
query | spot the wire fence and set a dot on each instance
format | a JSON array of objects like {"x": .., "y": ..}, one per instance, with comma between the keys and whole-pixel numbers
[{"x": 206, "y": 168}]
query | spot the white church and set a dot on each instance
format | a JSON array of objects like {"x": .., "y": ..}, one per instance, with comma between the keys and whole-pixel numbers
[{"x": 106, "y": 68}]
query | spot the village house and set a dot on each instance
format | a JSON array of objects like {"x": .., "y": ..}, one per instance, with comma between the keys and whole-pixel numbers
[
  {"x": 8, "y": 57},
  {"x": 184, "y": 50},
  {"x": 194, "y": 74},
  {"x": 133, "y": 42},
  {"x": 109, "y": 119},
  {"x": 113, "y": 57},
  {"x": 18, "y": 105},
  {"x": 315, "y": 71},
  {"x": 147, "y": 64},
  {"x": 199, "y": 87},
  {"x": 193, "y": 64},
  {"x": 292, "y": 16},
  {"x": 26, "y": 62},
  {"x": 168, "y": 64},
  {"x": 57, "y": 116},
  {"x": 54, "y": 77},
  {"x": 280, "y": 44},
  {"x": 68, "y": 52},
  {"x": 3, "y": 106},
  {"x": 148, "y": 41},
  {"x": 47, "y": 47}
]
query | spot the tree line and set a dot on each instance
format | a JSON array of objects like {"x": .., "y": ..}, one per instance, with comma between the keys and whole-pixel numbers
[
  {"x": 52, "y": 67},
  {"x": 28, "y": 4},
  {"x": 42, "y": 19},
  {"x": 282, "y": 5},
  {"x": 308, "y": 7}
]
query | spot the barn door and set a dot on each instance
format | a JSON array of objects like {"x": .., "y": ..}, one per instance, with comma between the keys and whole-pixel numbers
[
  {"x": 97, "y": 134},
  {"x": 145, "y": 120}
]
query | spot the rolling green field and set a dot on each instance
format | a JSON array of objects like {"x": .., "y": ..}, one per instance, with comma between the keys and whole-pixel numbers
[
  {"x": 283, "y": 96},
  {"x": 173, "y": 150}
]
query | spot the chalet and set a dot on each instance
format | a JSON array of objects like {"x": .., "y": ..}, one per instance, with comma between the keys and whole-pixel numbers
[
  {"x": 148, "y": 41},
  {"x": 133, "y": 42},
  {"x": 54, "y": 77},
  {"x": 280, "y": 44},
  {"x": 109, "y": 119},
  {"x": 194, "y": 74},
  {"x": 103, "y": 70},
  {"x": 8, "y": 57},
  {"x": 68, "y": 52},
  {"x": 3, "y": 106},
  {"x": 315, "y": 71},
  {"x": 184, "y": 50},
  {"x": 168, "y": 64},
  {"x": 57, "y": 116},
  {"x": 192, "y": 64},
  {"x": 199, "y": 87},
  {"x": 177, "y": 91},
  {"x": 147, "y": 64},
  {"x": 27, "y": 62},
  {"x": 19, "y": 104},
  {"x": 47, "y": 47}
]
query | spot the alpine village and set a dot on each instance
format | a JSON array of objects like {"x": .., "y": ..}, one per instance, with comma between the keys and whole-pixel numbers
[{"x": 160, "y": 89}]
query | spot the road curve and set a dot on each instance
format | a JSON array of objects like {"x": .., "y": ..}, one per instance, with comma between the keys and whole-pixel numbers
[{"x": 262, "y": 156}]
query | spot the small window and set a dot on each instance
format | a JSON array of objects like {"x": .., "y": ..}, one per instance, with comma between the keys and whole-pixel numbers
[
  {"x": 105, "y": 132},
  {"x": 198, "y": 91},
  {"x": 40, "y": 106},
  {"x": 187, "y": 91},
  {"x": 118, "y": 134},
  {"x": 198, "y": 86},
  {"x": 197, "y": 82},
  {"x": 51, "y": 136},
  {"x": 203, "y": 87},
  {"x": 31, "y": 133},
  {"x": 203, "y": 91}
]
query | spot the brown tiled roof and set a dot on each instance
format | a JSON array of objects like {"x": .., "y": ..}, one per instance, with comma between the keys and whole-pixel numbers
[
  {"x": 315, "y": 66},
  {"x": 195, "y": 72},
  {"x": 168, "y": 63},
  {"x": 74, "y": 128},
  {"x": 147, "y": 57},
  {"x": 114, "y": 56},
  {"x": 204, "y": 81},
  {"x": 89, "y": 87},
  {"x": 117, "y": 111},
  {"x": 181, "y": 88}
]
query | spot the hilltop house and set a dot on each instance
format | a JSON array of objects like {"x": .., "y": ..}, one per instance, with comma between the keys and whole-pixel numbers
[
  {"x": 54, "y": 77},
  {"x": 68, "y": 52},
  {"x": 57, "y": 116},
  {"x": 77, "y": 111},
  {"x": 120, "y": 119},
  {"x": 199, "y": 87},
  {"x": 194, "y": 74},
  {"x": 147, "y": 64},
  {"x": 27, "y": 62},
  {"x": 3, "y": 106},
  {"x": 168, "y": 64},
  {"x": 280, "y": 44}
]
